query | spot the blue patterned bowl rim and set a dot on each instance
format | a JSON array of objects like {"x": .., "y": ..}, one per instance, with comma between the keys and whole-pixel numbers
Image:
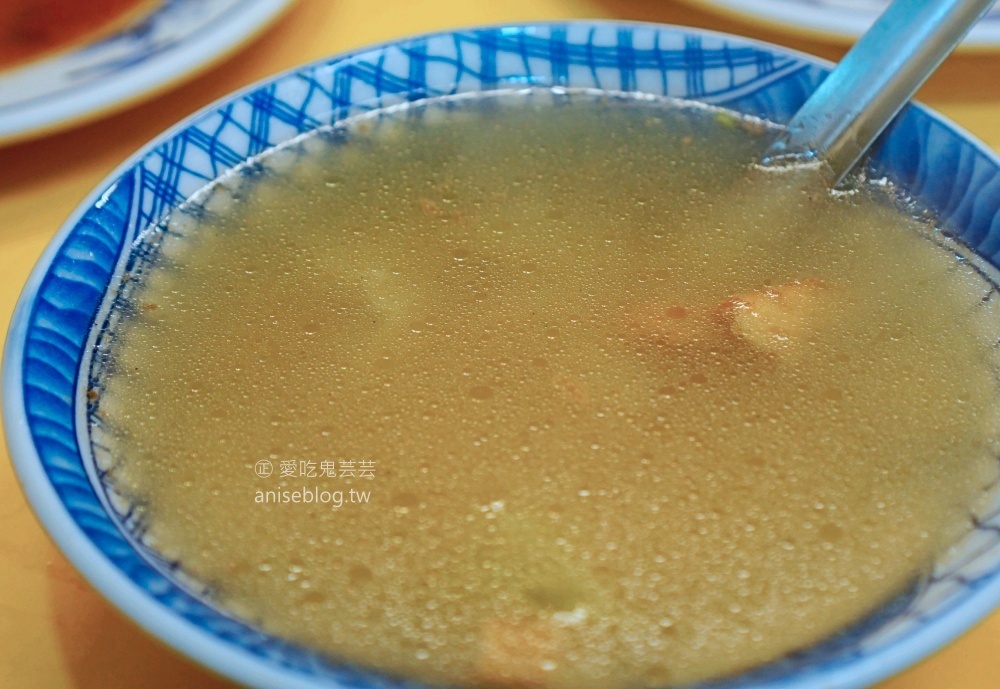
[{"x": 45, "y": 372}]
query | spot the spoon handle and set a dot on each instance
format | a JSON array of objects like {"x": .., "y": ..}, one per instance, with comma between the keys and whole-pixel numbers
[{"x": 852, "y": 106}]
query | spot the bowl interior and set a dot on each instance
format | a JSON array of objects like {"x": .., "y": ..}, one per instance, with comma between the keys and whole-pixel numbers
[{"x": 67, "y": 308}]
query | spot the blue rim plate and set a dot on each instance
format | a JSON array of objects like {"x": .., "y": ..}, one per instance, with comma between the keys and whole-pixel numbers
[
  {"x": 175, "y": 41},
  {"x": 68, "y": 296}
]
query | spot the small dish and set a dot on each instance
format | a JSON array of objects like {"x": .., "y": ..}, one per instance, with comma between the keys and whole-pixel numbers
[
  {"x": 174, "y": 41},
  {"x": 841, "y": 20}
]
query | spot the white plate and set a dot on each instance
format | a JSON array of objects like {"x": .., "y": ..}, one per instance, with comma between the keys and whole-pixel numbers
[
  {"x": 174, "y": 41},
  {"x": 842, "y": 19}
]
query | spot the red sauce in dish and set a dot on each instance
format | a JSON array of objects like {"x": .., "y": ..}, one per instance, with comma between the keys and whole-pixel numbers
[{"x": 31, "y": 28}]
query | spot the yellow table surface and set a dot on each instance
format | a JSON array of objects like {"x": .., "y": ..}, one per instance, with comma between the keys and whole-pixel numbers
[{"x": 55, "y": 631}]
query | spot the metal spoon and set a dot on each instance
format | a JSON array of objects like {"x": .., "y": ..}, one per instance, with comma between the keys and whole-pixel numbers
[{"x": 883, "y": 70}]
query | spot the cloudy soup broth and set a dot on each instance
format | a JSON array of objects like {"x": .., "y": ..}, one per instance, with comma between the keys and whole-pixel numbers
[{"x": 549, "y": 391}]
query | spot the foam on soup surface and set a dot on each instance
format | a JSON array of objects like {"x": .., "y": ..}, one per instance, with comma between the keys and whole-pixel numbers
[{"x": 578, "y": 397}]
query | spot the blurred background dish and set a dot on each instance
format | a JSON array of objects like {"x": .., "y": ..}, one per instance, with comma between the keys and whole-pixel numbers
[
  {"x": 842, "y": 20},
  {"x": 65, "y": 62}
]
